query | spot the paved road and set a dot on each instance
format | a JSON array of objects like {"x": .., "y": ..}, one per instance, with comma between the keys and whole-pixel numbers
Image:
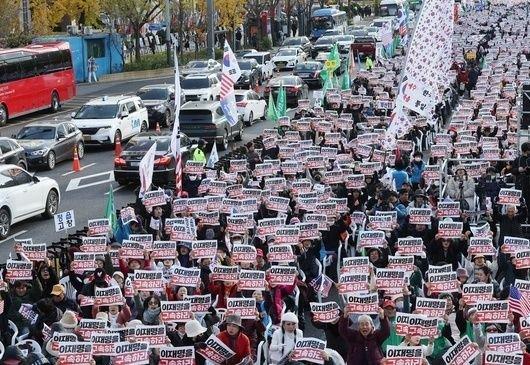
[{"x": 85, "y": 192}]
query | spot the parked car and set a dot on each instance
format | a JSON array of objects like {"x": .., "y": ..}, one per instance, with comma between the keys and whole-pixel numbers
[
  {"x": 12, "y": 153},
  {"x": 126, "y": 165},
  {"x": 364, "y": 46},
  {"x": 250, "y": 105},
  {"x": 288, "y": 58},
  {"x": 201, "y": 87},
  {"x": 295, "y": 89},
  {"x": 105, "y": 120},
  {"x": 46, "y": 144},
  {"x": 243, "y": 52},
  {"x": 323, "y": 44},
  {"x": 264, "y": 62},
  {"x": 201, "y": 67},
  {"x": 160, "y": 103},
  {"x": 298, "y": 42},
  {"x": 250, "y": 73},
  {"x": 309, "y": 72},
  {"x": 206, "y": 120},
  {"x": 23, "y": 196},
  {"x": 344, "y": 43}
]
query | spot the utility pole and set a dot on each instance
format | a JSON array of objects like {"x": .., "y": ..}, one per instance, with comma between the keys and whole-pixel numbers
[
  {"x": 168, "y": 32},
  {"x": 210, "y": 42}
]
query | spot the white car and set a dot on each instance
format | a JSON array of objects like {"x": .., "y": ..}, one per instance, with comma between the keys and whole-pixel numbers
[
  {"x": 201, "y": 67},
  {"x": 250, "y": 105},
  {"x": 201, "y": 87},
  {"x": 264, "y": 61},
  {"x": 344, "y": 42},
  {"x": 288, "y": 58},
  {"x": 23, "y": 196},
  {"x": 105, "y": 120}
]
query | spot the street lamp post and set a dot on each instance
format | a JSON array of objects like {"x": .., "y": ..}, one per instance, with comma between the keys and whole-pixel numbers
[
  {"x": 210, "y": 42},
  {"x": 168, "y": 32}
]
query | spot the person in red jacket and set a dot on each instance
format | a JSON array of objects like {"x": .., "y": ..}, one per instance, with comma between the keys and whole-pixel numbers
[
  {"x": 365, "y": 343},
  {"x": 234, "y": 338}
]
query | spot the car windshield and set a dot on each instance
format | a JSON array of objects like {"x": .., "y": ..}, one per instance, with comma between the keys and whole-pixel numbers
[
  {"x": 143, "y": 143},
  {"x": 293, "y": 41},
  {"x": 360, "y": 33},
  {"x": 286, "y": 52},
  {"x": 245, "y": 65},
  {"x": 259, "y": 59},
  {"x": 372, "y": 30},
  {"x": 312, "y": 66},
  {"x": 97, "y": 112},
  {"x": 285, "y": 81},
  {"x": 37, "y": 132},
  {"x": 195, "y": 83},
  {"x": 152, "y": 94},
  {"x": 198, "y": 64},
  {"x": 345, "y": 38},
  {"x": 325, "y": 40},
  {"x": 322, "y": 22},
  {"x": 240, "y": 97}
]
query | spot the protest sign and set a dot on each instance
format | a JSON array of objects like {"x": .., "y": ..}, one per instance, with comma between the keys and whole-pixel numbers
[
  {"x": 461, "y": 353},
  {"x": 410, "y": 246},
  {"x": 87, "y": 327},
  {"x": 509, "y": 197},
  {"x": 176, "y": 311},
  {"x": 503, "y": 342},
  {"x": 61, "y": 337},
  {"x": 154, "y": 198},
  {"x": 204, "y": 249},
  {"x": 401, "y": 355},
  {"x": 404, "y": 263},
  {"x": 362, "y": 303},
  {"x": 501, "y": 358},
  {"x": 492, "y": 311},
  {"x": 390, "y": 280},
  {"x": 108, "y": 296},
  {"x": 131, "y": 250},
  {"x": 32, "y": 251},
  {"x": 420, "y": 216},
  {"x": 97, "y": 245},
  {"x": 357, "y": 264},
  {"x": 244, "y": 307},
  {"x": 371, "y": 239},
  {"x": 103, "y": 343},
  {"x": 243, "y": 253},
  {"x": 127, "y": 215},
  {"x": 288, "y": 235},
  {"x": 251, "y": 280},
  {"x": 131, "y": 353},
  {"x": 512, "y": 245},
  {"x": 474, "y": 293},
  {"x": 448, "y": 210},
  {"x": 183, "y": 276},
  {"x": 98, "y": 227},
  {"x": 327, "y": 312},
  {"x": 380, "y": 222},
  {"x": 416, "y": 325},
  {"x": 481, "y": 246},
  {"x": 194, "y": 167},
  {"x": 309, "y": 349},
  {"x": 83, "y": 262},
  {"x": 164, "y": 250},
  {"x": 353, "y": 283},
  {"x": 431, "y": 308},
  {"x": 155, "y": 336},
  {"x": 19, "y": 270},
  {"x": 199, "y": 303},
  {"x": 282, "y": 275},
  {"x": 280, "y": 254},
  {"x": 440, "y": 283},
  {"x": 225, "y": 273},
  {"x": 450, "y": 229},
  {"x": 215, "y": 350},
  {"x": 75, "y": 353},
  {"x": 183, "y": 355},
  {"x": 148, "y": 280}
]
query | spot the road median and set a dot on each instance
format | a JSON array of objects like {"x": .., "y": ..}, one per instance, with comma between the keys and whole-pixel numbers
[{"x": 131, "y": 75}]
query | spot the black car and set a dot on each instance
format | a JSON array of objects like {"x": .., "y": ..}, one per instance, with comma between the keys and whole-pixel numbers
[
  {"x": 309, "y": 72},
  {"x": 250, "y": 73},
  {"x": 45, "y": 144},
  {"x": 301, "y": 42},
  {"x": 160, "y": 103},
  {"x": 295, "y": 89},
  {"x": 126, "y": 166},
  {"x": 323, "y": 44},
  {"x": 11, "y": 153}
]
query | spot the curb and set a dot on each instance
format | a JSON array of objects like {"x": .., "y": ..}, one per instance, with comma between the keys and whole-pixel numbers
[{"x": 131, "y": 75}]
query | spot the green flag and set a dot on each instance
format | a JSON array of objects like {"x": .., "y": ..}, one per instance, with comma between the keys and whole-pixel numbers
[
  {"x": 345, "y": 81},
  {"x": 333, "y": 62},
  {"x": 272, "y": 114},
  {"x": 281, "y": 102},
  {"x": 110, "y": 210}
]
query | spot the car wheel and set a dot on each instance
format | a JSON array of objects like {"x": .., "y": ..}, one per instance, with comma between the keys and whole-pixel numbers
[
  {"x": 51, "y": 161},
  {"x": 3, "y": 115},
  {"x": 223, "y": 146},
  {"x": 167, "y": 119},
  {"x": 55, "y": 104},
  {"x": 144, "y": 127},
  {"x": 239, "y": 136},
  {"x": 5, "y": 223},
  {"x": 250, "y": 118},
  {"x": 52, "y": 204},
  {"x": 22, "y": 165},
  {"x": 80, "y": 150},
  {"x": 264, "y": 116}
]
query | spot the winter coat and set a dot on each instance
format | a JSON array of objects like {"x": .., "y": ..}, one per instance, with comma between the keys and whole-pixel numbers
[
  {"x": 468, "y": 191},
  {"x": 240, "y": 345},
  {"x": 364, "y": 350}
]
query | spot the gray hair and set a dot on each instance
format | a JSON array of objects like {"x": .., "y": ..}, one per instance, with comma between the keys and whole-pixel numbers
[{"x": 365, "y": 318}]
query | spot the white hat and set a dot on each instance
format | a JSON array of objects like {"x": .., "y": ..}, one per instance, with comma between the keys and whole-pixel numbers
[
  {"x": 102, "y": 316},
  {"x": 193, "y": 328},
  {"x": 134, "y": 323},
  {"x": 69, "y": 320},
  {"x": 289, "y": 317}
]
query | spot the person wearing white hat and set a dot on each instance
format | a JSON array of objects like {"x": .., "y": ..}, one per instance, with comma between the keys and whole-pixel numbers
[
  {"x": 284, "y": 338},
  {"x": 194, "y": 329},
  {"x": 69, "y": 321}
]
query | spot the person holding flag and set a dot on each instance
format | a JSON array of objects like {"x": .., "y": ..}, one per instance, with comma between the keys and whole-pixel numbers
[
  {"x": 175, "y": 135},
  {"x": 230, "y": 74}
]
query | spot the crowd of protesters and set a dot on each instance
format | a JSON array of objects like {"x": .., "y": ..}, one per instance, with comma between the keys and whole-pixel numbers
[{"x": 346, "y": 245}]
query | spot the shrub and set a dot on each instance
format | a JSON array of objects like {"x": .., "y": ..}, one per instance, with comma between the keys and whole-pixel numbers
[
  {"x": 265, "y": 44},
  {"x": 158, "y": 60}
]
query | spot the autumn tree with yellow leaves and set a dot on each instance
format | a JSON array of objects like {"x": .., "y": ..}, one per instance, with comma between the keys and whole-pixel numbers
[
  {"x": 50, "y": 15},
  {"x": 231, "y": 14}
]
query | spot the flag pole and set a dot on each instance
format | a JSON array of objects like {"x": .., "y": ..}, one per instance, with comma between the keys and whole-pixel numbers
[{"x": 175, "y": 136}]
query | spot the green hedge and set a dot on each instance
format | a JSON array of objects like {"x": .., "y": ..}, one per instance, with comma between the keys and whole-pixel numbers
[{"x": 158, "y": 60}]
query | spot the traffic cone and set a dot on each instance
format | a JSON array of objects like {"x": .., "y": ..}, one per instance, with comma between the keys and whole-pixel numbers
[
  {"x": 157, "y": 127},
  {"x": 117, "y": 147},
  {"x": 76, "y": 165}
]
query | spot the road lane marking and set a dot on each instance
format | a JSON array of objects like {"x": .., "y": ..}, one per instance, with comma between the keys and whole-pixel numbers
[
  {"x": 14, "y": 235},
  {"x": 75, "y": 184},
  {"x": 116, "y": 189},
  {"x": 82, "y": 168}
]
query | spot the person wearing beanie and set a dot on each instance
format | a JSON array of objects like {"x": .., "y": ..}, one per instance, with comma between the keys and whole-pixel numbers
[
  {"x": 234, "y": 338},
  {"x": 284, "y": 338},
  {"x": 365, "y": 343}
]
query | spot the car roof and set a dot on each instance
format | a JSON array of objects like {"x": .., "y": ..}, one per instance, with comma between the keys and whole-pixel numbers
[
  {"x": 111, "y": 100},
  {"x": 256, "y": 54},
  {"x": 156, "y": 86},
  {"x": 7, "y": 139},
  {"x": 198, "y": 76},
  {"x": 210, "y": 105},
  {"x": 45, "y": 124}
]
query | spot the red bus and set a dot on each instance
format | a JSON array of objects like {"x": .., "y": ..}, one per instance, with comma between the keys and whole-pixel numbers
[{"x": 35, "y": 77}]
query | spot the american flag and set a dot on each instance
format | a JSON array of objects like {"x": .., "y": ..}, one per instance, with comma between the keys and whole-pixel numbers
[
  {"x": 230, "y": 74},
  {"x": 518, "y": 302}
]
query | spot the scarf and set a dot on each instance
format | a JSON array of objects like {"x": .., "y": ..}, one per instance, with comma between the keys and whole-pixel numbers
[{"x": 150, "y": 316}]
